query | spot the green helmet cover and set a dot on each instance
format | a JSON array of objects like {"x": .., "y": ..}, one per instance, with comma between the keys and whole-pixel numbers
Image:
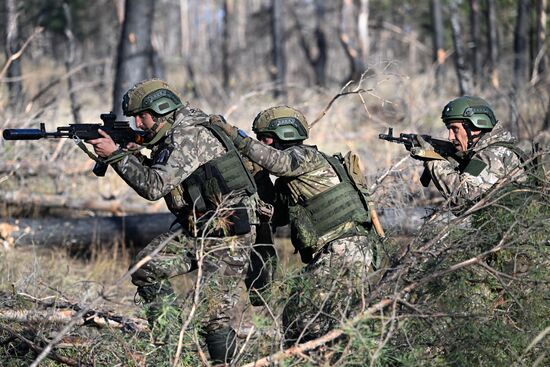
[
  {"x": 286, "y": 123},
  {"x": 472, "y": 109},
  {"x": 153, "y": 95}
]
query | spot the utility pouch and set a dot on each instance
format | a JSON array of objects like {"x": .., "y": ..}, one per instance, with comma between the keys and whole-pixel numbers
[
  {"x": 304, "y": 236},
  {"x": 236, "y": 223}
]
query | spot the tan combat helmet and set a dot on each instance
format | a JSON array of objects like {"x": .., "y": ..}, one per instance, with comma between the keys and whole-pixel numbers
[
  {"x": 154, "y": 95},
  {"x": 285, "y": 123}
]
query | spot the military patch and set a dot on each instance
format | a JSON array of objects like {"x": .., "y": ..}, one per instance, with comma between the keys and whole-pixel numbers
[{"x": 162, "y": 156}]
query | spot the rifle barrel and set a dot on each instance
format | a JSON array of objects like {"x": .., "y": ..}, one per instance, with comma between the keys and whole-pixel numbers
[{"x": 23, "y": 134}]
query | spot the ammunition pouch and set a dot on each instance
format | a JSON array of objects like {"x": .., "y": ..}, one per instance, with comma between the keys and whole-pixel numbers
[{"x": 206, "y": 186}]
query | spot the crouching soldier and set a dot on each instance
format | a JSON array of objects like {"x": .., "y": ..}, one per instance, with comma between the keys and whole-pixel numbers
[
  {"x": 201, "y": 176},
  {"x": 328, "y": 212},
  {"x": 486, "y": 152}
]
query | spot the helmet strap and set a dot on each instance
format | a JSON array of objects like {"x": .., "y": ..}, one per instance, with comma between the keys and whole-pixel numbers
[
  {"x": 157, "y": 133},
  {"x": 467, "y": 126}
]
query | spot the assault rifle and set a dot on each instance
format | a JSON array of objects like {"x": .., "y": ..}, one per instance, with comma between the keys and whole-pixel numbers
[
  {"x": 443, "y": 149},
  {"x": 119, "y": 131}
]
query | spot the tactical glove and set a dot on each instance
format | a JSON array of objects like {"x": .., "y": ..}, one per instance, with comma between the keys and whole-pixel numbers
[
  {"x": 219, "y": 121},
  {"x": 231, "y": 131},
  {"x": 424, "y": 151}
]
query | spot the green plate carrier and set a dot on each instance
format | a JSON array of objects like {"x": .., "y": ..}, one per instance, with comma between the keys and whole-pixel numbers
[
  {"x": 328, "y": 210},
  {"x": 218, "y": 176}
]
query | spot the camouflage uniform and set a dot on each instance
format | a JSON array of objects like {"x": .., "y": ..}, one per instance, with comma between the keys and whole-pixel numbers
[
  {"x": 461, "y": 188},
  {"x": 263, "y": 256},
  {"x": 186, "y": 146},
  {"x": 343, "y": 252}
]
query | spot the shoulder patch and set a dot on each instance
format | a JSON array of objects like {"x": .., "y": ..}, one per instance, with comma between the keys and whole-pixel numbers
[{"x": 162, "y": 156}]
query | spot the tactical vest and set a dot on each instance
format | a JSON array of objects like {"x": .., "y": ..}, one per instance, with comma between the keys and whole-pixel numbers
[
  {"x": 205, "y": 187},
  {"x": 343, "y": 203}
]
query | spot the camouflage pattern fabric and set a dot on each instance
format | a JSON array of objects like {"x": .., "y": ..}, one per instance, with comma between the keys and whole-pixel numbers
[
  {"x": 263, "y": 256},
  {"x": 304, "y": 173},
  {"x": 330, "y": 287},
  {"x": 329, "y": 290},
  {"x": 224, "y": 268},
  {"x": 462, "y": 188},
  {"x": 185, "y": 147}
]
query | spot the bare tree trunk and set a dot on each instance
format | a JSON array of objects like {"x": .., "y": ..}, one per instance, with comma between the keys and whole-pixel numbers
[
  {"x": 15, "y": 86},
  {"x": 226, "y": 62},
  {"x": 437, "y": 34},
  {"x": 546, "y": 125},
  {"x": 540, "y": 38},
  {"x": 320, "y": 62},
  {"x": 348, "y": 38},
  {"x": 185, "y": 29},
  {"x": 363, "y": 26},
  {"x": 315, "y": 54},
  {"x": 69, "y": 63},
  {"x": 278, "y": 53},
  {"x": 134, "y": 50},
  {"x": 492, "y": 42},
  {"x": 475, "y": 49},
  {"x": 520, "y": 43},
  {"x": 156, "y": 64},
  {"x": 242, "y": 10},
  {"x": 464, "y": 78}
]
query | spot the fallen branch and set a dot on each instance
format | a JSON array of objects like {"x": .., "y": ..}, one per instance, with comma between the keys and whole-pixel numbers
[
  {"x": 66, "y": 202},
  {"x": 82, "y": 233},
  {"x": 59, "y": 336},
  {"x": 35, "y": 168},
  {"x": 92, "y": 318}
]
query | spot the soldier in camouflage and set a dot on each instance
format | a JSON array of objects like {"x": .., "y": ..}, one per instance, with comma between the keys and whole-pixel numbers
[
  {"x": 202, "y": 178},
  {"x": 328, "y": 216},
  {"x": 487, "y": 153}
]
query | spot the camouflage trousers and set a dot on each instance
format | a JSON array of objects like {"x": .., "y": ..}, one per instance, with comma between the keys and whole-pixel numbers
[
  {"x": 224, "y": 266},
  {"x": 328, "y": 290}
]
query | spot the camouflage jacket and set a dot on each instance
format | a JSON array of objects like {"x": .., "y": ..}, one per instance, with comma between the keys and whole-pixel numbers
[
  {"x": 462, "y": 189},
  {"x": 186, "y": 146},
  {"x": 303, "y": 173}
]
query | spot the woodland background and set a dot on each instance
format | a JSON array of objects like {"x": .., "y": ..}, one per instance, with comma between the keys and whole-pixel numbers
[{"x": 358, "y": 66}]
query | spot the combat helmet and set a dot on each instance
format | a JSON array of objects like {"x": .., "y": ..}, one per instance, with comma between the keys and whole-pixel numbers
[
  {"x": 285, "y": 123},
  {"x": 153, "y": 95},
  {"x": 474, "y": 110}
]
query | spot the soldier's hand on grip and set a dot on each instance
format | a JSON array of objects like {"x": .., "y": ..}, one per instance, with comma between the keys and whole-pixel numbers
[{"x": 104, "y": 146}]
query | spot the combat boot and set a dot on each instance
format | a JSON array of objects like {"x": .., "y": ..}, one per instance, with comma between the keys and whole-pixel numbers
[
  {"x": 163, "y": 313},
  {"x": 222, "y": 345}
]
